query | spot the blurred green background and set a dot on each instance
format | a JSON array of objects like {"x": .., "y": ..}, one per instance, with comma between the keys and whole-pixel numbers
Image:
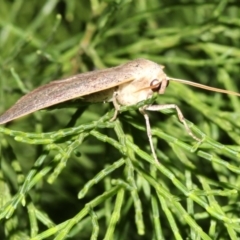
[{"x": 192, "y": 194}]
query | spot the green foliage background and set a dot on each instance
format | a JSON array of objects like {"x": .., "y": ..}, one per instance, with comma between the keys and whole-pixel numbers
[{"x": 49, "y": 157}]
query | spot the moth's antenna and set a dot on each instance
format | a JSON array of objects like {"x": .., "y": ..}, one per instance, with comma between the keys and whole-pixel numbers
[{"x": 203, "y": 86}]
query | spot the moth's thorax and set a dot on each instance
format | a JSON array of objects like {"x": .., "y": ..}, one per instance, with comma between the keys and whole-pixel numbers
[{"x": 138, "y": 90}]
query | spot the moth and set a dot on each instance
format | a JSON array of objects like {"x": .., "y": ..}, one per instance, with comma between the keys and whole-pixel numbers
[{"x": 126, "y": 84}]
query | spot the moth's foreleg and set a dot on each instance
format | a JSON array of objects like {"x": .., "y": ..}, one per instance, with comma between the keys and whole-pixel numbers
[{"x": 179, "y": 113}]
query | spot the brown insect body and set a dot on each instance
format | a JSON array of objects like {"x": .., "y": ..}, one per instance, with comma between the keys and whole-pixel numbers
[{"x": 95, "y": 86}]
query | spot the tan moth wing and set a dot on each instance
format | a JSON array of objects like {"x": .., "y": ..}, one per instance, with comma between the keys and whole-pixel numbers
[{"x": 69, "y": 88}]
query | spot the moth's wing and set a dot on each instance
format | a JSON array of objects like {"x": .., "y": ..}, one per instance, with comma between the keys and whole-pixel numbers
[{"x": 63, "y": 90}]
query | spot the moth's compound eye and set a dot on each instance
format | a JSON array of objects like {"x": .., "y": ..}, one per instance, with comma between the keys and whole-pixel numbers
[{"x": 155, "y": 85}]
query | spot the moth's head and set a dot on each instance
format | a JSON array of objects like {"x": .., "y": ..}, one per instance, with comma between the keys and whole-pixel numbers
[
  {"x": 158, "y": 81},
  {"x": 159, "y": 85}
]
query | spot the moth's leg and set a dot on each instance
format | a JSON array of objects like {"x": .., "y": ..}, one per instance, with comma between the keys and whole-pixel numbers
[
  {"x": 116, "y": 106},
  {"x": 179, "y": 113},
  {"x": 149, "y": 133}
]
